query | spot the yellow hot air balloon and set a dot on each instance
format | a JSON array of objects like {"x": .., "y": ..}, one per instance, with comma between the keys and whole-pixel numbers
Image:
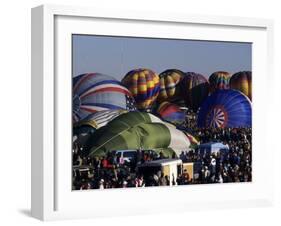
[
  {"x": 242, "y": 81},
  {"x": 169, "y": 85}
]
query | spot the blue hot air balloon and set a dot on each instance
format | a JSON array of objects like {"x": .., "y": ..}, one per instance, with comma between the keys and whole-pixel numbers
[{"x": 225, "y": 108}]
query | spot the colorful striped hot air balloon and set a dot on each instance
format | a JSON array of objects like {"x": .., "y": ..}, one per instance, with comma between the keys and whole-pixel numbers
[
  {"x": 219, "y": 80},
  {"x": 169, "y": 85},
  {"x": 95, "y": 92},
  {"x": 144, "y": 86},
  {"x": 225, "y": 108},
  {"x": 171, "y": 113},
  {"x": 242, "y": 81},
  {"x": 195, "y": 89}
]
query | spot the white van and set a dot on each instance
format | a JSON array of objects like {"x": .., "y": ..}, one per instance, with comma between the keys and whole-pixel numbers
[{"x": 126, "y": 156}]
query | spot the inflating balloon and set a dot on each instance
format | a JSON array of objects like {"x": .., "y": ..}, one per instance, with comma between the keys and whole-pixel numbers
[
  {"x": 95, "y": 92},
  {"x": 225, "y": 108},
  {"x": 195, "y": 89},
  {"x": 99, "y": 119},
  {"x": 242, "y": 81},
  {"x": 144, "y": 86},
  {"x": 219, "y": 80},
  {"x": 171, "y": 113},
  {"x": 169, "y": 85},
  {"x": 83, "y": 129},
  {"x": 137, "y": 130}
]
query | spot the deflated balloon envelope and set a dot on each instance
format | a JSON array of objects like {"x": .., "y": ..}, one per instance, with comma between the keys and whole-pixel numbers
[
  {"x": 137, "y": 130},
  {"x": 99, "y": 119},
  {"x": 225, "y": 108},
  {"x": 86, "y": 127},
  {"x": 95, "y": 92}
]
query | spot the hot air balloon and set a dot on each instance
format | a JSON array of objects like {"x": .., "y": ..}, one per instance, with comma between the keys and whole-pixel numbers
[
  {"x": 219, "y": 80},
  {"x": 169, "y": 85},
  {"x": 225, "y": 108},
  {"x": 95, "y": 92},
  {"x": 144, "y": 85},
  {"x": 84, "y": 128},
  {"x": 195, "y": 89},
  {"x": 99, "y": 119},
  {"x": 171, "y": 113},
  {"x": 242, "y": 81},
  {"x": 137, "y": 130}
]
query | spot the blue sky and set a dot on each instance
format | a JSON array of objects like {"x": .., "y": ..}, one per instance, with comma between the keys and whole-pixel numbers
[{"x": 116, "y": 56}]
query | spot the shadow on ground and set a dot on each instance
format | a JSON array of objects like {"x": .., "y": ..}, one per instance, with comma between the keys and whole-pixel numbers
[{"x": 25, "y": 212}]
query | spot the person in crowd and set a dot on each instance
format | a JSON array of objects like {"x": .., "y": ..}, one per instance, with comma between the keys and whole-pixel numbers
[
  {"x": 110, "y": 172},
  {"x": 163, "y": 180}
]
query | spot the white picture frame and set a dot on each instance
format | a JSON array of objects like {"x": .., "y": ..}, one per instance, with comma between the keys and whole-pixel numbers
[{"x": 52, "y": 27}]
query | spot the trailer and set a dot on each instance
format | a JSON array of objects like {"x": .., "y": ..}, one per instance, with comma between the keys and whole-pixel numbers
[{"x": 169, "y": 167}]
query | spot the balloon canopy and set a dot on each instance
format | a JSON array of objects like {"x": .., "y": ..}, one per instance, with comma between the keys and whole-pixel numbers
[
  {"x": 95, "y": 92},
  {"x": 99, "y": 119},
  {"x": 144, "y": 86},
  {"x": 137, "y": 130},
  {"x": 83, "y": 129},
  {"x": 242, "y": 81},
  {"x": 171, "y": 113},
  {"x": 219, "y": 80},
  {"x": 195, "y": 89},
  {"x": 225, "y": 108},
  {"x": 169, "y": 85}
]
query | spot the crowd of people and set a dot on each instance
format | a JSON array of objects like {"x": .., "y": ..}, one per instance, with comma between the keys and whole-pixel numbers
[
  {"x": 234, "y": 165},
  {"x": 111, "y": 171}
]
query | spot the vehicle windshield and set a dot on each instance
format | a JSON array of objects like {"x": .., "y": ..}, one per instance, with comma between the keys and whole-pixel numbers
[{"x": 129, "y": 154}]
